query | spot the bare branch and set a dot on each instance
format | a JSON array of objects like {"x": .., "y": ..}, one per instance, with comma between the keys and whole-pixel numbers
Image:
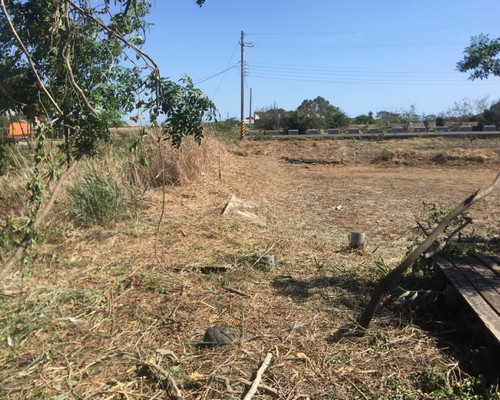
[
  {"x": 423, "y": 229},
  {"x": 444, "y": 242},
  {"x": 67, "y": 62}
]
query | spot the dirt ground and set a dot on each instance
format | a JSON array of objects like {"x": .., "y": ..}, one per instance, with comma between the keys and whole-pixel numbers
[{"x": 120, "y": 312}]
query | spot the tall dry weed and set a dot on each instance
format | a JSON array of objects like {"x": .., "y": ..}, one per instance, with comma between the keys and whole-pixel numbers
[
  {"x": 165, "y": 165},
  {"x": 14, "y": 181}
]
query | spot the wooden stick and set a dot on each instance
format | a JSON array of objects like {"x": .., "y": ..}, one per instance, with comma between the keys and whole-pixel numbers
[
  {"x": 266, "y": 388},
  {"x": 162, "y": 373},
  {"x": 258, "y": 377},
  {"x": 236, "y": 291},
  {"x": 263, "y": 254}
]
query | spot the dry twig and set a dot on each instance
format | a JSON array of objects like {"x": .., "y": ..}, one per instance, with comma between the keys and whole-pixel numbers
[{"x": 258, "y": 377}]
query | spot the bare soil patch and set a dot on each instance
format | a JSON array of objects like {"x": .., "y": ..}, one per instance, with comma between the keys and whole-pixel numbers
[{"x": 96, "y": 306}]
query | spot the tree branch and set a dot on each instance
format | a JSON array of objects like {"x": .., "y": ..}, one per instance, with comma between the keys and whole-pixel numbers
[
  {"x": 443, "y": 243},
  {"x": 67, "y": 62},
  {"x": 144, "y": 55}
]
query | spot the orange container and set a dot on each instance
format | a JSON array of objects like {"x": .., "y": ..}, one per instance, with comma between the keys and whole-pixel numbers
[{"x": 19, "y": 130}]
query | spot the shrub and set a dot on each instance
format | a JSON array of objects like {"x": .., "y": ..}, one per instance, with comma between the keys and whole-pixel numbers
[
  {"x": 441, "y": 158},
  {"x": 384, "y": 156},
  {"x": 97, "y": 199}
]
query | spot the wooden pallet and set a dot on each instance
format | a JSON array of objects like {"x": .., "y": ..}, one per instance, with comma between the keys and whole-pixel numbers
[{"x": 477, "y": 279}]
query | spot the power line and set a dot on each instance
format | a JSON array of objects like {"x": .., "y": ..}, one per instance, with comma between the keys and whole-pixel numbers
[
  {"x": 374, "y": 81},
  {"x": 223, "y": 75},
  {"x": 315, "y": 70},
  {"x": 282, "y": 45},
  {"x": 363, "y": 76},
  {"x": 201, "y": 80},
  {"x": 371, "y": 31}
]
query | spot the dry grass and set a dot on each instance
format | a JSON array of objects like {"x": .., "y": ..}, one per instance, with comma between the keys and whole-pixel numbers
[
  {"x": 172, "y": 167},
  {"x": 98, "y": 308}
]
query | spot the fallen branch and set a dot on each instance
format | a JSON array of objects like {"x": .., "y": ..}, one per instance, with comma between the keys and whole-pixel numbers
[
  {"x": 236, "y": 291},
  {"x": 166, "y": 377},
  {"x": 258, "y": 377},
  {"x": 442, "y": 245},
  {"x": 266, "y": 388},
  {"x": 312, "y": 161},
  {"x": 387, "y": 281}
]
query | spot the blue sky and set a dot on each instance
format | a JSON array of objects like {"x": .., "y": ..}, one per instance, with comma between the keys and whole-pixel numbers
[{"x": 360, "y": 55}]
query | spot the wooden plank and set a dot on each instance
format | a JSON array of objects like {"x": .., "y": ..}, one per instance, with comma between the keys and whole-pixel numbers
[
  {"x": 489, "y": 317},
  {"x": 483, "y": 286},
  {"x": 493, "y": 262},
  {"x": 480, "y": 264}
]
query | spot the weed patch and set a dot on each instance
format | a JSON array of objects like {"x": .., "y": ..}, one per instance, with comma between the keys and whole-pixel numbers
[{"x": 97, "y": 199}]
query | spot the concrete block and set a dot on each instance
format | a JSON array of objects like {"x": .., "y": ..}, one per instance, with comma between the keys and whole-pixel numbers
[{"x": 397, "y": 129}]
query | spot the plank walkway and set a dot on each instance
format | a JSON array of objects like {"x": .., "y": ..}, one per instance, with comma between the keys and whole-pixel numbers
[{"x": 477, "y": 279}]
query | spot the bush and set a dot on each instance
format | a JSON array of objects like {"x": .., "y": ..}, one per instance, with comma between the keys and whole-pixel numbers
[
  {"x": 97, "y": 199},
  {"x": 384, "y": 156},
  {"x": 441, "y": 158}
]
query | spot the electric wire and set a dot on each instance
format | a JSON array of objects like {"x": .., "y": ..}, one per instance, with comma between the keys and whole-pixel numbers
[
  {"x": 224, "y": 74},
  {"x": 351, "y": 46},
  {"x": 361, "y": 76},
  {"x": 201, "y": 80},
  {"x": 449, "y": 29}
]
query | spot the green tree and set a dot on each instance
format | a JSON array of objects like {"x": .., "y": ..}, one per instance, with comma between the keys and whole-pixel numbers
[
  {"x": 388, "y": 117},
  {"x": 364, "y": 119},
  {"x": 492, "y": 115},
  {"x": 481, "y": 57},
  {"x": 273, "y": 117},
  {"x": 82, "y": 66},
  {"x": 319, "y": 114},
  {"x": 79, "y": 64}
]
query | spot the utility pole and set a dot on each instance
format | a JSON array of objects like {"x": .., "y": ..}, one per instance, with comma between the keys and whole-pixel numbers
[
  {"x": 242, "y": 111},
  {"x": 250, "y": 109}
]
